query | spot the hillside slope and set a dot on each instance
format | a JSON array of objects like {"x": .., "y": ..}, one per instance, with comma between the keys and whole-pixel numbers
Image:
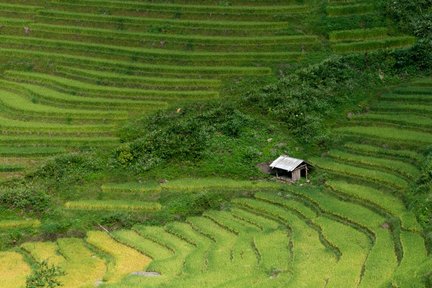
[
  {"x": 139, "y": 127},
  {"x": 356, "y": 226},
  {"x": 73, "y": 72}
]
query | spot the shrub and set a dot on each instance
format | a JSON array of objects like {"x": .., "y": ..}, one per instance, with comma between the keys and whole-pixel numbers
[
  {"x": 70, "y": 168},
  {"x": 181, "y": 134},
  {"x": 45, "y": 276},
  {"x": 408, "y": 14},
  {"x": 25, "y": 199}
]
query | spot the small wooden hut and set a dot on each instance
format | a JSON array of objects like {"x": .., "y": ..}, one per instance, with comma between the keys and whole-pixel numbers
[{"x": 290, "y": 168}]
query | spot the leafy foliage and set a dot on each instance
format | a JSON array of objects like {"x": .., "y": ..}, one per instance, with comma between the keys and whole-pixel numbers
[
  {"x": 182, "y": 134},
  {"x": 25, "y": 199},
  {"x": 303, "y": 99},
  {"x": 410, "y": 15},
  {"x": 70, "y": 168},
  {"x": 420, "y": 197},
  {"x": 45, "y": 276}
]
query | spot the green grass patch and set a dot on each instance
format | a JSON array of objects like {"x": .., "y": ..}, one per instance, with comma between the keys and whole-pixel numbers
[
  {"x": 113, "y": 205},
  {"x": 201, "y": 184},
  {"x": 88, "y": 89},
  {"x": 124, "y": 260},
  {"x": 403, "y": 118},
  {"x": 109, "y": 78},
  {"x": 372, "y": 175},
  {"x": 370, "y": 45},
  {"x": 387, "y": 202},
  {"x": 390, "y": 134},
  {"x": 343, "y": 10},
  {"x": 14, "y": 224},
  {"x": 397, "y": 167},
  {"x": 382, "y": 150},
  {"x": 358, "y": 34},
  {"x": 30, "y": 151}
]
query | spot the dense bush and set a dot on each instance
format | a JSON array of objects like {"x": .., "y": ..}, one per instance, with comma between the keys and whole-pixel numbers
[
  {"x": 419, "y": 198},
  {"x": 45, "y": 276},
  {"x": 25, "y": 199},
  {"x": 304, "y": 99},
  {"x": 409, "y": 15},
  {"x": 70, "y": 168},
  {"x": 181, "y": 134}
]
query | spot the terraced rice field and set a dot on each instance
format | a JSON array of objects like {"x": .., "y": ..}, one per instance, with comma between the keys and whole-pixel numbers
[
  {"x": 80, "y": 84},
  {"x": 378, "y": 163},
  {"x": 73, "y": 72},
  {"x": 355, "y": 26},
  {"x": 355, "y": 232},
  {"x": 273, "y": 240}
]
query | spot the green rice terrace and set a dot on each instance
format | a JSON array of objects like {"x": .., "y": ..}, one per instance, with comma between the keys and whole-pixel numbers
[{"x": 137, "y": 138}]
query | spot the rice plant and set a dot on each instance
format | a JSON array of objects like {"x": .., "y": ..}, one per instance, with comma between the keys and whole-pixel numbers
[
  {"x": 113, "y": 205},
  {"x": 13, "y": 269},
  {"x": 123, "y": 259}
]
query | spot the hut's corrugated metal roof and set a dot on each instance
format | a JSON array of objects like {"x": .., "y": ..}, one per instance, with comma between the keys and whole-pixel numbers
[{"x": 286, "y": 163}]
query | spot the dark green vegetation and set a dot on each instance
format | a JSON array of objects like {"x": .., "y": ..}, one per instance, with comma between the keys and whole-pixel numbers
[
  {"x": 147, "y": 120},
  {"x": 45, "y": 276}
]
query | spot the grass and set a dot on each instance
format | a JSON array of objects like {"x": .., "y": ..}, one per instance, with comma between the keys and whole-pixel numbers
[
  {"x": 379, "y": 177},
  {"x": 370, "y": 45},
  {"x": 342, "y": 10},
  {"x": 378, "y": 198},
  {"x": 139, "y": 81},
  {"x": 194, "y": 9},
  {"x": 30, "y": 151},
  {"x": 287, "y": 203},
  {"x": 29, "y": 223},
  {"x": 138, "y": 69},
  {"x": 182, "y": 42},
  {"x": 403, "y": 107},
  {"x": 55, "y": 98},
  {"x": 381, "y": 260},
  {"x": 306, "y": 271},
  {"x": 14, "y": 270},
  {"x": 416, "y": 90},
  {"x": 69, "y": 85},
  {"x": 57, "y": 141},
  {"x": 124, "y": 260},
  {"x": 196, "y": 261},
  {"x": 113, "y": 205},
  {"x": 20, "y": 104},
  {"x": 41, "y": 127},
  {"x": 229, "y": 222},
  {"x": 131, "y": 187},
  {"x": 410, "y": 98},
  {"x": 404, "y": 119},
  {"x": 274, "y": 251},
  {"x": 83, "y": 268},
  {"x": 150, "y": 55},
  {"x": 172, "y": 266},
  {"x": 413, "y": 156},
  {"x": 396, "y": 167},
  {"x": 177, "y": 25},
  {"x": 200, "y": 184},
  {"x": 402, "y": 136},
  {"x": 354, "y": 247},
  {"x": 11, "y": 167},
  {"x": 44, "y": 251},
  {"x": 358, "y": 34},
  {"x": 265, "y": 224},
  {"x": 150, "y": 248},
  {"x": 414, "y": 263}
]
